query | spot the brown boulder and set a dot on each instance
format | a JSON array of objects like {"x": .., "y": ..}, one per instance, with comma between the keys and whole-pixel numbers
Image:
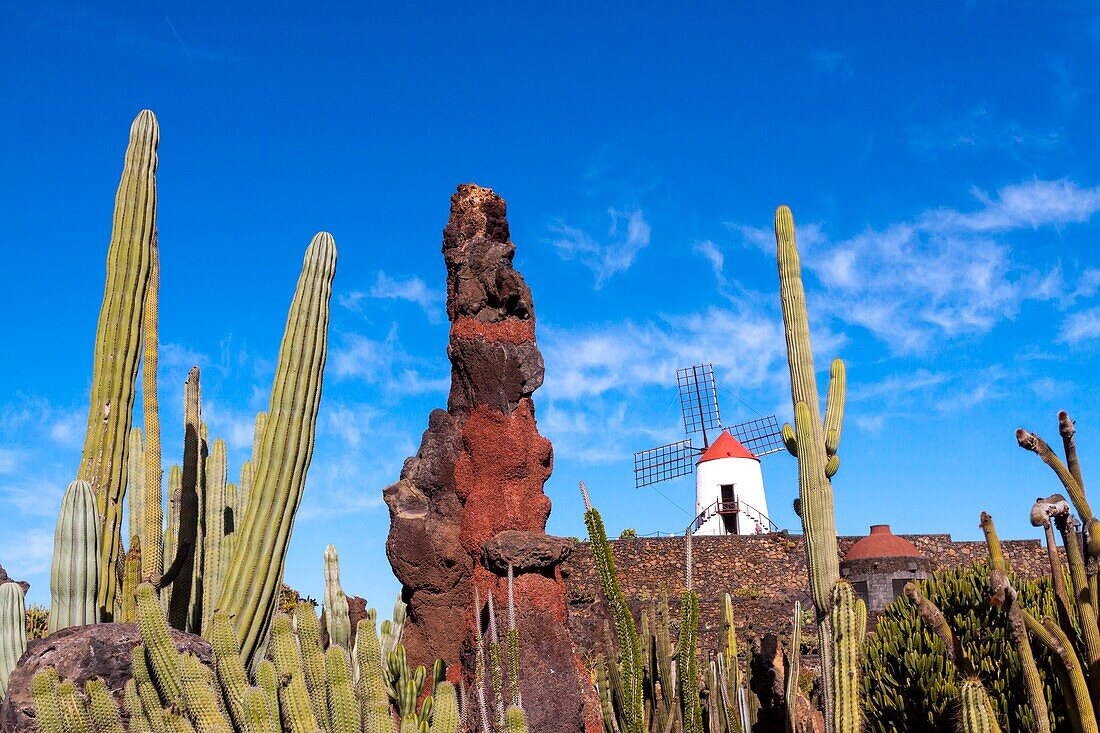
[
  {"x": 526, "y": 552},
  {"x": 80, "y": 653}
]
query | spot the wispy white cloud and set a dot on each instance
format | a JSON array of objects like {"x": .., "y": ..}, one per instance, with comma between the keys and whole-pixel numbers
[
  {"x": 386, "y": 363},
  {"x": 712, "y": 254},
  {"x": 944, "y": 273},
  {"x": 1080, "y": 327},
  {"x": 832, "y": 63},
  {"x": 628, "y": 234},
  {"x": 410, "y": 289},
  {"x": 979, "y": 129}
]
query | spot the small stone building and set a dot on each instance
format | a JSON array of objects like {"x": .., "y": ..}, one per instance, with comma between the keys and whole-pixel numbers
[{"x": 879, "y": 565}]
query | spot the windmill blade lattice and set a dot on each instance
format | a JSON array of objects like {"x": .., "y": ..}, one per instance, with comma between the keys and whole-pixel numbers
[
  {"x": 762, "y": 436},
  {"x": 698, "y": 399},
  {"x": 663, "y": 463}
]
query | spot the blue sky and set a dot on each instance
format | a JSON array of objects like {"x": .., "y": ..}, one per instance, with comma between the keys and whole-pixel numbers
[{"x": 941, "y": 162}]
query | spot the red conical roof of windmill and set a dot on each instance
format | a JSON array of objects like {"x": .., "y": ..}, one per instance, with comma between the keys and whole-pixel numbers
[{"x": 726, "y": 446}]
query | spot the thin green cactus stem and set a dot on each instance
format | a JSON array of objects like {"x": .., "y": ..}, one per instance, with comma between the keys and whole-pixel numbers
[
  {"x": 118, "y": 345},
  {"x": 257, "y": 436},
  {"x": 343, "y": 708},
  {"x": 268, "y": 680},
  {"x": 132, "y": 702},
  {"x": 131, "y": 577},
  {"x": 171, "y": 531},
  {"x": 848, "y": 615},
  {"x": 629, "y": 646},
  {"x": 1038, "y": 446},
  {"x": 445, "y": 718},
  {"x": 201, "y": 699},
  {"x": 250, "y": 591},
  {"x": 257, "y": 715},
  {"x": 74, "y": 716},
  {"x": 228, "y": 666},
  {"x": 975, "y": 711},
  {"x": 294, "y": 701},
  {"x": 102, "y": 708},
  {"x": 161, "y": 653},
  {"x": 13, "y": 631},
  {"x": 834, "y": 406},
  {"x": 135, "y": 483},
  {"x": 213, "y": 532},
  {"x": 146, "y": 690},
  {"x": 794, "y": 667},
  {"x": 152, "y": 534},
  {"x": 337, "y": 619},
  {"x": 75, "y": 569},
  {"x": 313, "y": 659},
  {"x": 514, "y": 721},
  {"x": 688, "y": 651},
  {"x": 817, "y": 513},
  {"x": 372, "y": 685},
  {"x": 47, "y": 705}
]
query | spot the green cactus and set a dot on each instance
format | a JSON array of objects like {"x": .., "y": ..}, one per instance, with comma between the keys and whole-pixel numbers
[
  {"x": 200, "y": 698},
  {"x": 160, "y": 652},
  {"x": 172, "y": 528},
  {"x": 135, "y": 483},
  {"x": 337, "y": 620},
  {"x": 343, "y": 709},
  {"x": 13, "y": 631},
  {"x": 445, "y": 717},
  {"x": 250, "y": 590},
  {"x": 629, "y": 647},
  {"x": 118, "y": 346},
  {"x": 131, "y": 578},
  {"x": 47, "y": 705},
  {"x": 313, "y": 659},
  {"x": 145, "y": 689},
  {"x": 267, "y": 678},
  {"x": 815, "y": 445},
  {"x": 75, "y": 569},
  {"x": 152, "y": 531},
  {"x": 186, "y": 566},
  {"x": 294, "y": 698},
  {"x": 374, "y": 703},
  {"x": 102, "y": 708},
  {"x": 688, "y": 663},
  {"x": 848, "y": 625},
  {"x": 794, "y": 668},
  {"x": 132, "y": 703},
  {"x": 229, "y": 667},
  {"x": 213, "y": 529},
  {"x": 74, "y": 716},
  {"x": 38, "y": 621},
  {"x": 975, "y": 712},
  {"x": 514, "y": 720}
]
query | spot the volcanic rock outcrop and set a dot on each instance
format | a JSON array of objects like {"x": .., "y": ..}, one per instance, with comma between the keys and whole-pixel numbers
[
  {"x": 472, "y": 496},
  {"x": 80, "y": 653}
]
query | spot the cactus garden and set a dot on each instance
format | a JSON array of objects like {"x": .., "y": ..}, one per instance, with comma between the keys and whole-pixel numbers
[{"x": 284, "y": 496}]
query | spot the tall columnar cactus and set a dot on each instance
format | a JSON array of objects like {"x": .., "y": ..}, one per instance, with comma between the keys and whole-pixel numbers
[
  {"x": 794, "y": 668},
  {"x": 152, "y": 533},
  {"x": 187, "y": 564},
  {"x": 118, "y": 344},
  {"x": 251, "y": 588},
  {"x": 135, "y": 484},
  {"x": 975, "y": 712},
  {"x": 75, "y": 569},
  {"x": 13, "y": 631},
  {"x": 815, "y": 444},
  {"x": 171, "y": 531},
  {"x": 688, "y": 663},
  {"x": 337, "y": 619},
  {"x": 213, "y": 534}
]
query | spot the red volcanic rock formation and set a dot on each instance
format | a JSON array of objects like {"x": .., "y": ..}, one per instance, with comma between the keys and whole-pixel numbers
[{"x": 471, "y": 499}]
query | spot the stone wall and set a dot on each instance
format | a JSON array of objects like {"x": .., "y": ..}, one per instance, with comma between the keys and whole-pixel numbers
[{"x": 765, "y": 575}]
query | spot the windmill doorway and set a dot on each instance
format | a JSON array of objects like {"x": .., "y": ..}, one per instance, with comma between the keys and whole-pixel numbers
[{"x": 727, "y": 508}]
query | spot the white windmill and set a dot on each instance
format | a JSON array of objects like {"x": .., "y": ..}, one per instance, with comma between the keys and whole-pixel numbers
[{"x": 729, "y": 487}]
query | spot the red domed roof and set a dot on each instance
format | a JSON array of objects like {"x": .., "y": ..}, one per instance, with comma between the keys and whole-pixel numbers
[
  {"x": 726, "y": 446},
  {"x": 882, "y": 543}
]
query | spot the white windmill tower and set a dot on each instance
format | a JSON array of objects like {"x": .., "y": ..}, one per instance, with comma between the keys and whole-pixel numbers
[{"x": 729, "y": 487}]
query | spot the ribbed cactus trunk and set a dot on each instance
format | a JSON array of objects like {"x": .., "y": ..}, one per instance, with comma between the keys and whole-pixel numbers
[
  {"x": 75, "y": 569},
  {"x": 118, "y": 344},
  {"x": 188, "y": 563},
  {"x": 815, "y": 443},
  {"x": 337, "y": 617},
  {"x": 135, "y": 484},
  {"x": 13, "y": 631},
  {"x": 251, "y": 589},
  {"x": 152, "y": 533},
  {"x": 213, "y": 530}
]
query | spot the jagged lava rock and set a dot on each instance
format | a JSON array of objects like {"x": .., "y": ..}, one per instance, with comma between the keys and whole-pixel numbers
[
  {"x": 480, "y": 472},
  {"x": 5, "y": 578},
  {"x": 80, "y": 653}
]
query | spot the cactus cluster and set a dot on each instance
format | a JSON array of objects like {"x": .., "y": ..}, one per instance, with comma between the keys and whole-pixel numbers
[{"x": 300, "y": 687}]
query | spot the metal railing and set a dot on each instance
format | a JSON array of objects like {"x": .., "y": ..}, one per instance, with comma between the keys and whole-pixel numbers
[{"x": 733, "y": 507}]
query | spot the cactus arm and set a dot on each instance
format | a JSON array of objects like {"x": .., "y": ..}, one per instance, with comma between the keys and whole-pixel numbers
[
  {"x": 1078, "y": 699},
  {"x": 343, "y": 708},
  {"x": 1038, "y": 446},
  {"x": 1071, "y": 542},
  {"x": 47, "y": 705},
  {"x": 102, "y": 708},
  {"x": 790, "y": 442},
  {"x": 152, "y": 560},
  {"x": 373, "y": 701},
  {"x": 257, "y": 716},
  {"x": 131, "y": 578},
  {"x": 171, "y": 530},
  {"x": 74, "y": 716},
  {"x": 337, "y": 620},
  {"x": 834, "y": 406},
  {"x": 1068, "y": 429},
  {"x": 817, "y": 513},
  {"x": 118, "y": 345},
  {"x": 250, "y": 591},
  {"x": 146, "y": 690},
  {"x": 229, "y": 667},
  {"x": 201, "y": 699},
  {"x": 183, "y": 579},
  {"x": 213, "y": 533},
  {"x": 445, "y": 715},
  {"x": 849, "y": 627},
  {"x": 976, "y": 712},
  {"x": 13, "y": 631},
  {"x": 268, "y": 680},
  {"x": 75, "y": 569},
  {"x": 514, "y": 721},
  {"x": 139, "y": 723},
  {"x": 688, "y": 663}
]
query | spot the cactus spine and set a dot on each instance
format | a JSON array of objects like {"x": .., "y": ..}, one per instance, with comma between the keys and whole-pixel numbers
[
  {"x": 250, "y": 591},
  {"x": 337, "y": 620},
  {"x": 976, "y": 713},
  {"x": 13, "y": 631},
  {"x": 815, "y": 444},
  {"x": 75, "y": 569},
  {"x": 118, "y": 345}
]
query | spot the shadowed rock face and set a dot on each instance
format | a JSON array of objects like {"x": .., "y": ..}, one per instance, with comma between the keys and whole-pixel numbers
[
  {"x": 472, "y": 495},
  {"x": 80, "y": 653}
]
